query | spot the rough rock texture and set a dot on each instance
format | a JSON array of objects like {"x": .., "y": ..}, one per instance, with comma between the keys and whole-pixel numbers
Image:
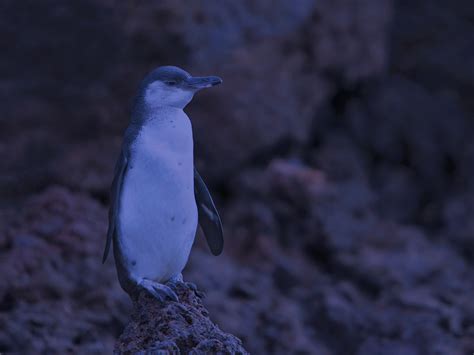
[
  {"x": 174, "y": 327},
  {"x": 53, "y": 299},
  {"x": 345, "y": 280}
]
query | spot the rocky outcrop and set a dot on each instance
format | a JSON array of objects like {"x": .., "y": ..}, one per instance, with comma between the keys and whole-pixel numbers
[
  {"x": 183, "y": 327},
  {"x": 53, "y": 298}
]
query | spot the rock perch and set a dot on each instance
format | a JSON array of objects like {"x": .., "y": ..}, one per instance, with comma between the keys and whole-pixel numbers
[{"x": 174, "y": 328}]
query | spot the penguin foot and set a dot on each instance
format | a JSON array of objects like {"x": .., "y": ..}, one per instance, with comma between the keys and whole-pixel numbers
[
  {"x": 159, "y": 291},
  {"x": 179, "y": 279},
  {"x": 176, "y": 279}
]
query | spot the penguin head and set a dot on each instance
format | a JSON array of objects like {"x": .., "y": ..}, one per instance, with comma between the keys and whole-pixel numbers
[{"x": 171, "y": 86}]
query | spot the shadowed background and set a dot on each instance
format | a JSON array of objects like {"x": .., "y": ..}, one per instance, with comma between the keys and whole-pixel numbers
[{"x": 339, "y": 151}]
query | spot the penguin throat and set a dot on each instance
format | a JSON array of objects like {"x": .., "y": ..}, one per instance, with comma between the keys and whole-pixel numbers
[{"x": 159, "y": 95}]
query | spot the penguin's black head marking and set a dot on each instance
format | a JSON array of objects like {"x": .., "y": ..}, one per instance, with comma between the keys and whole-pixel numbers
[
  {"x": 169, "y": 75},
  {"x": 176, "y": 77}
]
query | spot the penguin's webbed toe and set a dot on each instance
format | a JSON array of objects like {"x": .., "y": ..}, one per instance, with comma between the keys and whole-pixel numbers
[{"x": 159, "y": 291}]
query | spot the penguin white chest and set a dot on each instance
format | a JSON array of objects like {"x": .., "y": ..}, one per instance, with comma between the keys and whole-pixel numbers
[{"x": 158, "y": 214}]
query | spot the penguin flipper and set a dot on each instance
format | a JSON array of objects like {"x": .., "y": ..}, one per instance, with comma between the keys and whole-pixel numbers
[
  {"x": 120, "y": 169},
  {"x": 209, "y": 219}
]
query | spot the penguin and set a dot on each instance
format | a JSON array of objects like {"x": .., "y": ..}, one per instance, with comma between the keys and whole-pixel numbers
[{"x": 157, "y": 195}]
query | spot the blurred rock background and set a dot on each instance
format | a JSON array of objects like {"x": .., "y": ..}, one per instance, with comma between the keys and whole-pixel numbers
[{"x": 339, "y": 150}]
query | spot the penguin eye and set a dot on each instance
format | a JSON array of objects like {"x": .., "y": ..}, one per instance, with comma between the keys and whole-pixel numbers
[{"x": 170, "y": 82}]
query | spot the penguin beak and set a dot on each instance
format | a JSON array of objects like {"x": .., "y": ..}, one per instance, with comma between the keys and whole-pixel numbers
[{"x": 202, "y": 82}]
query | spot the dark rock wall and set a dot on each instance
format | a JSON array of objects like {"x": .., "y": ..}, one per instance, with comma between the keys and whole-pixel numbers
[{"x": 339, "y": 150}]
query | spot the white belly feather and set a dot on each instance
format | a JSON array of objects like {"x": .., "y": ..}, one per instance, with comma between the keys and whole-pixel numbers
[{"x": 158, "y": 214}]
